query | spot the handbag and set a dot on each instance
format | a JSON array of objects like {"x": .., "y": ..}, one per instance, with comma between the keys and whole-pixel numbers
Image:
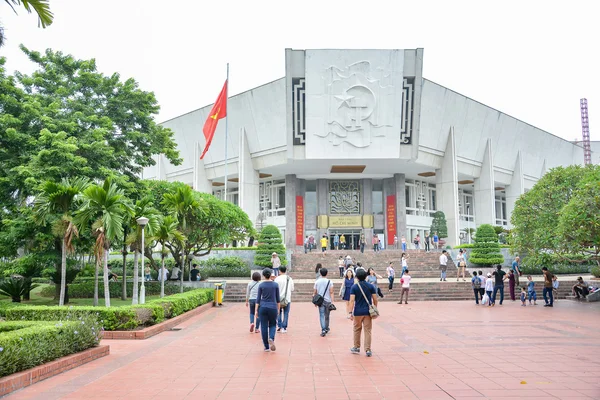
[
  {"x": 342, "y": 290},
  {"x": 283, "y": 302},
  {"x": 319, "y": 299},
  {"x": 373, "y": 311}
]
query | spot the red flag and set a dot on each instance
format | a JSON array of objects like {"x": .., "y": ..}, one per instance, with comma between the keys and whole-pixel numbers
[{"x": 218, "y": 111}]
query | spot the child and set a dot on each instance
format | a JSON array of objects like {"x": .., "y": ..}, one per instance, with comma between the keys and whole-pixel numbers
[
  {"x": 523, "y": 296},
  {"x": 555, "y": 285},
  {"x": 531, "y": 290}
]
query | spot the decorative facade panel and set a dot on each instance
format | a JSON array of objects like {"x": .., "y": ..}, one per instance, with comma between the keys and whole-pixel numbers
[
  {"x": 408, "y": 102},
  {"x": 344, "y": 197},
  {"x": 298, "y": 111}
]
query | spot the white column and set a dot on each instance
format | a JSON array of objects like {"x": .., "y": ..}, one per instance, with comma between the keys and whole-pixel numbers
[
  {"x": 201, "y": 182},
  {"x": 248, "y": 183},
  {"x": 516, "y": 187},
  {"x": 447, "y": 189},
  {"x": 485, "y": 194}
]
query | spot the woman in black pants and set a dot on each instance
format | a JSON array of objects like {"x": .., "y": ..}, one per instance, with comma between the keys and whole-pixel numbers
[{"x": 267, "y": 309}]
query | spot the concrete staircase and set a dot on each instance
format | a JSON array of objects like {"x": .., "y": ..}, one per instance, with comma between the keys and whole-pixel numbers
[
  {"x": 427, "y": 290},
  {"x": 420, "y": 263}
]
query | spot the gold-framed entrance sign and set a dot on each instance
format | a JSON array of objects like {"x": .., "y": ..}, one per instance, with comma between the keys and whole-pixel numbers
[{"x": 344, "y": 221}]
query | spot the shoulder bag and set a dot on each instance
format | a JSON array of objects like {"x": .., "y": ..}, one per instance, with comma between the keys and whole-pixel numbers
[
  {"x": 373, "y": 311},
  {"x": 318, "y": 299},
  {"x": 284, "y": 302}
]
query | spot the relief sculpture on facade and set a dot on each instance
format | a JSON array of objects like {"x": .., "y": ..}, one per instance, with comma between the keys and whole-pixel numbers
[{"x": 344, "y": 197}]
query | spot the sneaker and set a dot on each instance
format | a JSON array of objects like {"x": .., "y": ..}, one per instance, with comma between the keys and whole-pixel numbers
[
  {"x": 278, "y": 329},
  {"x": 400, "y": 302},
  {"x": 546, "y": 305},
  {"x": 369, "y": 353},
  {"x": 257, "y": 331},
  {"x": 327, "y": 330},
  {"x": 251, "y": 328},
  {"x": 406, "y": 302},
  {"x": 284, "y": 330},
  {"x": 267, "y": 350},
  {"x": 272, "y": 345},
  {"x": 323, "y": 333},
  {"x": 355, "y": 350}
]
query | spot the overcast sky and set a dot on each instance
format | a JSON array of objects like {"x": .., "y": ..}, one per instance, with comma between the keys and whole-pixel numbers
[{"x": 531, "y": 59}]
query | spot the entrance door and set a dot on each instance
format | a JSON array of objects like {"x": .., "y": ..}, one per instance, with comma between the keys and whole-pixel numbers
[{"x": 352, "y": 239}]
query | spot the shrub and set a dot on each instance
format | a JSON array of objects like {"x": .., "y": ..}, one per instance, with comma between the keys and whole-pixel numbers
[
  {"x": 15, "y": 287},
  {"x": 472, "y": 245},
  {"x": 178, "y": 304},
  {"x": 269, "y": 242},
  {"x": 86, "y": 290},
  {"x": 596, "y": 272},
  {"x": 487, "y": 249},
  {"x": 527, "y": 269},
  {"x": 439, "y": 225},
  {"x": 25, "y": 344},
  {"x": 222, "y": 267}
]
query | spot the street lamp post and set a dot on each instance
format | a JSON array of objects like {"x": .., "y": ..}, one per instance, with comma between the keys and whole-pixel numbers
[
  {"x": 468, "y": 222},
  {"x": 142, "y": 221}
]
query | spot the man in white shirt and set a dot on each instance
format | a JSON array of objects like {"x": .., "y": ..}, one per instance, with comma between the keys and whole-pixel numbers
[
  {"x": 286, "y": 287},
  {"x": 324, "y": 287},
  {"x": 443, "y": 265},
  {"x": 405, "y": 280},
  {"x": 175, "y": 273},
  {"x": 163, "y": 276}
]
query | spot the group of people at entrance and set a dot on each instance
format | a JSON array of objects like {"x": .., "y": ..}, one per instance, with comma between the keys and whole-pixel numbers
[{"x": 342, "y": 242}]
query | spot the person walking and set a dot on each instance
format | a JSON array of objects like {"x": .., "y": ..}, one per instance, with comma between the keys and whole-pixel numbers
[
  {"x": 341, "y": 265},
  {"x": 461, "y": 264},
  {"x": 362, "y": 296},
  {"x": 516, "y": 269},
  {"x": 403, "y": 242},
  {"x": 511, "y": 285},
  {"x": 286, "y": 287},
  {"x": 324, "y": 288},
  {"x": 311, "y": 242},
  {"x": 489, "y": 288},
  {"x": 404, "y": 260},
  {"x": 476, "y": 285},
  {"x": 436, "y": 240},
  {"x": 372, "y": 279},
  {"x": 324, "y": 244},
  {"x": 443, "y": 265},
  {"x": 306, "y": 244},
  {"x": 395, "y": 242},
  {"x": 345, "y": 290},
  {"x": 362, "y": 243},
  {"x": 391, "y": 274},
  {"x": 547, "y": 293},
  {"x": 427, "y": 242},
  {"x": 531, "y": 294},
  {"x": 499, "y": 278},
  {"x": 483, "y": 280},
  {"x": 267, "y": 309},
  {"x": 417, "y": 242},
  {"x": 336, "y": 242},
  {"x": 405, "y": 282},
  {"x": 318, "y": 270},
  {"x": 251, "y": 294},
  {"x": 375, "y": 243},
  {"x": 343, "y": 242},
  {"x": 276, "y": 263}
]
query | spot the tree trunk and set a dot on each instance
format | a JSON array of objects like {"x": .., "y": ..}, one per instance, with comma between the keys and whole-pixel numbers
[
  {"x": 124, "y": 280},
  {"x": 162, "y": 275},
  {"x": 96, "y": 281},
  {"x": 63, "y": 272},
  {"x": 106, "y": 288},
  {"x": 134, "y": 295},
  {"x": 182, "y": 270},
  {"x": 67, "y": 294}
]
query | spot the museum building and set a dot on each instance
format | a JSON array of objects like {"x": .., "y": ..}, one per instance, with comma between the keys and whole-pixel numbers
[{"x": 359, "y": 142}]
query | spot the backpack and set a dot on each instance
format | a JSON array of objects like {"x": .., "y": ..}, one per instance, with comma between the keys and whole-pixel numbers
[{"x": 477, "y": 283}]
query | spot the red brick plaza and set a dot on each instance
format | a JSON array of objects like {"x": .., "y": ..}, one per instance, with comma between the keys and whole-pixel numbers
[{"x": 424, "y": 350}]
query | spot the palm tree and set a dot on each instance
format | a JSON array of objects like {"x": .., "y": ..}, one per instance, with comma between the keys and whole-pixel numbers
[
  {"x": 167, "y": 232},
  {"x": 182, "y": 203},
  {"x": 59, "y": 198},
  {"x": 41, "y": 8},
  {"x": 142, "y": 208},
  {"x": 108, "y": 207}
]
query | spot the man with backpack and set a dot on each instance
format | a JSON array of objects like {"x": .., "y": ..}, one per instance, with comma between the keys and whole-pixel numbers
[{"x": 476, "y": 285}]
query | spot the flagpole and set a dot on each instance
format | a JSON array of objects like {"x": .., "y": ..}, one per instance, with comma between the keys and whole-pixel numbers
[{"x": 226, "y": 121}]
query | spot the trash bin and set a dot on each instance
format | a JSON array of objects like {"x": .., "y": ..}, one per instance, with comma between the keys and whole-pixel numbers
[{"x": 219, "y": 294}]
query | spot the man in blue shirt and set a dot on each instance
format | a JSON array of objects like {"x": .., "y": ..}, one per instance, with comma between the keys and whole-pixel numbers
[
  {"x": 436, "y": 239},
  {"x": 516, "y": 270},
  {"x": 336, "y": 241},
  {"x": 362, "y": 295}
]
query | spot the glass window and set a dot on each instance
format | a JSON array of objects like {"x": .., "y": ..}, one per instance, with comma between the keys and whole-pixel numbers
[
  {"x": 310, "y": 198},
  {"x": 280, "y": 197},
  {"x": 377, "y": 197}
]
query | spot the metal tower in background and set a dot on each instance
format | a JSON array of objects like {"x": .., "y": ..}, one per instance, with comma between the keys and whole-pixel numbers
[{"x": 585, "y": 131}]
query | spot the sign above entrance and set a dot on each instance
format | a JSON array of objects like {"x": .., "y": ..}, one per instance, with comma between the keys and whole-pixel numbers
[{"x": 342, "y": 221}]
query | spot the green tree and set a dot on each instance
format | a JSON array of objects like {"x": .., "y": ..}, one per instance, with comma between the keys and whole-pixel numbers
[
  {"x": 167, "y": 232},
  {"x": 40, "y": 7},
  {"x": 108, "y": 207},
  {"x": 536, "y": 218},
  {"x": 439, "y": 225},
  {"x": 269, "y": 242},
  {"x": 579, "y": 221},
  {"x": 486, "y": 250},
  {"x": 55, "y": 205}
]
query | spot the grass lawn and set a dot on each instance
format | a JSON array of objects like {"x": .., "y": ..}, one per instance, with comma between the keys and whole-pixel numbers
[{"x": 37, "y": 300}]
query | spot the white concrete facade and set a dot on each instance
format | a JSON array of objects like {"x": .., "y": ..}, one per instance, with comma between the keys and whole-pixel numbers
[{"x": 345, "y": 129}]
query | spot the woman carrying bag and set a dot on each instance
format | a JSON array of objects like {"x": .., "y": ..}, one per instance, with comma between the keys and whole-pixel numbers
[{"x": 363, "y": 302}]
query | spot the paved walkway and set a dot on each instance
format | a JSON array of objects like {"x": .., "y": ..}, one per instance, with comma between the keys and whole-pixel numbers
[{"x": 424, "y": 350}]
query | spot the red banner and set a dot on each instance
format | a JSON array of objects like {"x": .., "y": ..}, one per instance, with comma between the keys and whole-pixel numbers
[
  {"x": 299, "y": 220},
  {"x": 390, "y": 213}
]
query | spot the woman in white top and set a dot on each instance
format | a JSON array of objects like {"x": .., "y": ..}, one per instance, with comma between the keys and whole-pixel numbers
[
  {"x": 461, "y": 264},
  {"x": 489, "y": 288},
  {"x": 341, "y": 264},
  {"x": 391, "y": 274},
  {"x": 404, "y": 264}
]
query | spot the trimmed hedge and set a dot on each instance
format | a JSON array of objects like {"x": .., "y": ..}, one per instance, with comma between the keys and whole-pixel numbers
[
  {"x": 486, "y": 250},
  {"x": 472, "y": 245},
  {"x": 86, "y": 290},
  {"x": 222, "y": 267},
  {"x": 26, "y": 344},
  {"x": 556, "y": 269},
  {"x": 116, "y": 318},
  {"x": 269, "y": 242}
]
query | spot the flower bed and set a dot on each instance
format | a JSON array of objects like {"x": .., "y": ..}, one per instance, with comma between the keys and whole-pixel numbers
[{"x": 26, "y": 344}]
